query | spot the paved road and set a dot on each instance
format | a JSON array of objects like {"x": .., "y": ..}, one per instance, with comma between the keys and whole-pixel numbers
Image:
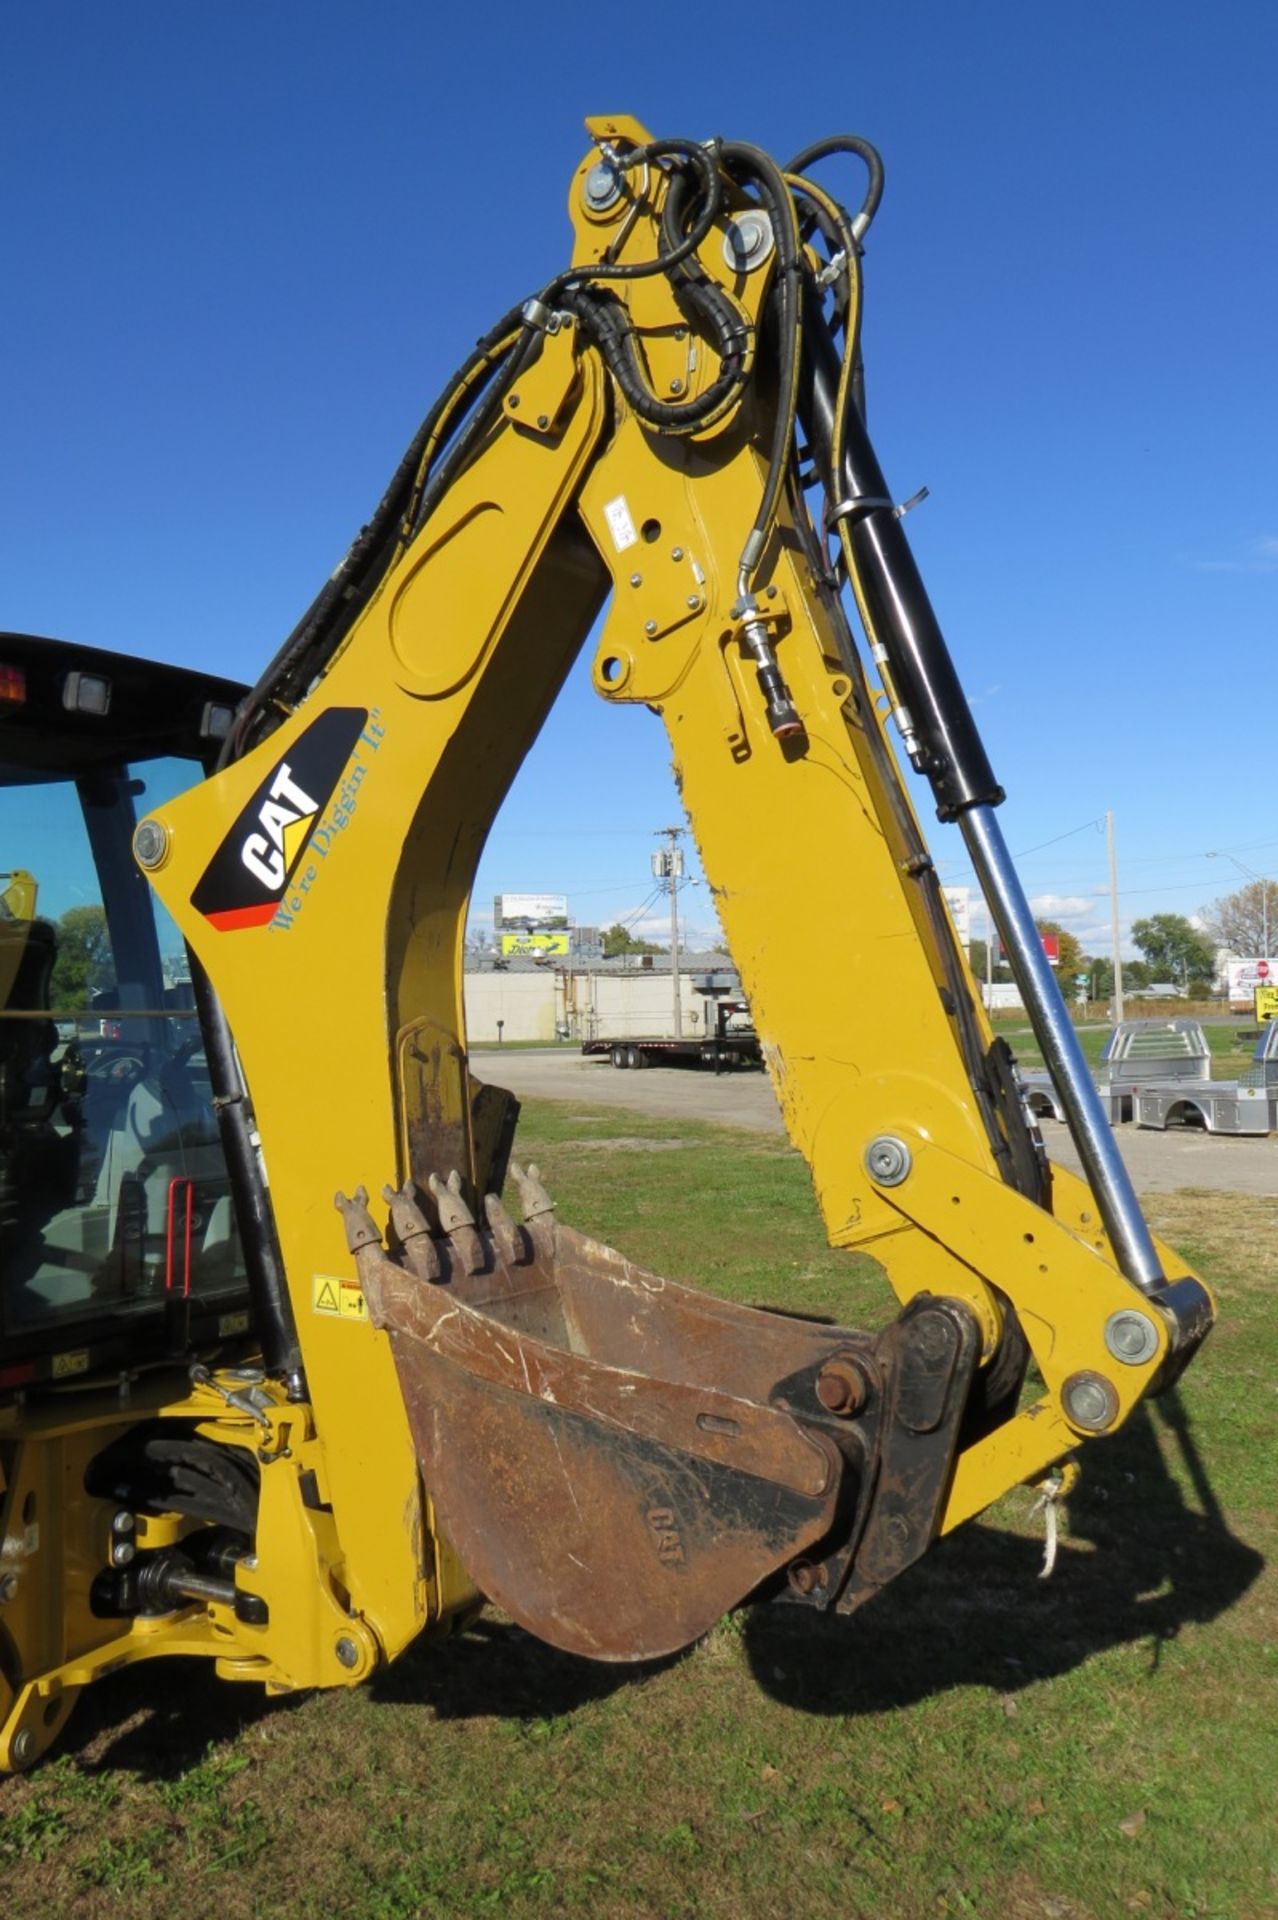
[{"x": 1159, "y": 1162}]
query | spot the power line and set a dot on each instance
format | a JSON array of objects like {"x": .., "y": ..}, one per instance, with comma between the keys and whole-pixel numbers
[
  {"x": 1025, "y": 852},
  {"x": 639, "y": 912}
]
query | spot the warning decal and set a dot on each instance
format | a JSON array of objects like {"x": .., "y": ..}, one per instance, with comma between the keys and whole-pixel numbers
[{"x": 342, "y": 1298}]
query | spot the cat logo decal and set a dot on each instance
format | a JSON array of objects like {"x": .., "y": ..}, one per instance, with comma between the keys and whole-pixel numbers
[{"x": 244, "y": 882}]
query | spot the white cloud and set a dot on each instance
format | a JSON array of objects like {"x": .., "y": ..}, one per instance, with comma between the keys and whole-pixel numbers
[
  {"x": 1260, "y": 556},
  {"x": 1089, "y": 932},
  {"x": 1061, "y": 906}
]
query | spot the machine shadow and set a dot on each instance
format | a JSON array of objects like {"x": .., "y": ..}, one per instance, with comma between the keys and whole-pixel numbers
[
  {"x": 159, "y": 1719},
  {"x": 495, "y": 1669},
  {"x": 1139, "y": 1565}
]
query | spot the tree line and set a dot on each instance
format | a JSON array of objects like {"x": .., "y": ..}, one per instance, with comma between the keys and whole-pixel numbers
[{"x": 1173, "y": 951}]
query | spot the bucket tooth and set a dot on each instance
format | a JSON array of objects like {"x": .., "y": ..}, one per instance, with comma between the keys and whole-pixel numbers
[
  {"x": 412, "y": 1229},
  {"x": 363, "y": 1236},
  {"x": 506, "y": 1235},
  {"x": 457, "y": 1221},
  {"x": 533, "y": 1197},
  {"x": 361, "y": 1229},
  {"x": 452, "y": 1209}
]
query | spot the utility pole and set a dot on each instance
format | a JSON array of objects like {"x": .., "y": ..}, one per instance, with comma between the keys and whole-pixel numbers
[
  {"x": 667, "y": 865},
  {"x": 990, "y": 937},
  {"x": 1113, "y": 917}
]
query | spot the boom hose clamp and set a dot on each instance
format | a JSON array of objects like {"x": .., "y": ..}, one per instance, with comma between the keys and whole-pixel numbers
[{"x": 856, "y": 509}]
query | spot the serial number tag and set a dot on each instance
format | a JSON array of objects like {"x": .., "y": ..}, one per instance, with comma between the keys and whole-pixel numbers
[{"x": 620, "y": 525}]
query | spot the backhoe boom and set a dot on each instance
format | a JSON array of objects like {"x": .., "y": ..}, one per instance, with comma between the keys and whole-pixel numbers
[{"x": 456, "y": 1403}]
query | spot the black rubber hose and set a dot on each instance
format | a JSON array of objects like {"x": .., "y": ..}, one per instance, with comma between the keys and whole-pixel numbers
[
  {"x": 476, "y": 424},
  {"x": 847, "y": 143},
  {"x": 702, "y": 302},
  {"x": 607, "y": 324},
  {"x": 815, "y": 219},
  {"x": 712, "y": 189},
  {"x": 749, "y": 162}
]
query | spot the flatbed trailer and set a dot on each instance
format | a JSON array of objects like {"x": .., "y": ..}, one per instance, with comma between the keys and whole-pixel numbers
[
  {"x": 722, "y": 1052},
  {"x": 721, "y": 1046}
]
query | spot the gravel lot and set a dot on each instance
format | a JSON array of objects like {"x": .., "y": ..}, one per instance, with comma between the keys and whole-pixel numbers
[{"x": 1159, "y": 1162}]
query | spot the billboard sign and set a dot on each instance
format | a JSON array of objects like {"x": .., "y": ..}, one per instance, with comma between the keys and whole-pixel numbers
[
  {"x": 1244, "y": 976},
  {"x": 1050, "y": 943},
  {"x": 959, "y": 902},
  {"x": 536, "y": 946},
  {"x": 530, "y": 909}
]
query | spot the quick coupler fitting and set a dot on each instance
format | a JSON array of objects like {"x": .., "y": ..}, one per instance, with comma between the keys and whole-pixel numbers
[{"x": 783, "y": 718}]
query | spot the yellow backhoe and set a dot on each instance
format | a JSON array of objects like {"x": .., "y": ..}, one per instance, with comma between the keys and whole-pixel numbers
[{"x": 240, "y": 1421}]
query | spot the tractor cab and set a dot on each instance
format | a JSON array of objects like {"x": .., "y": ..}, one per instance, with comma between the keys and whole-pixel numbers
[{"x": 118, "y": 1245}]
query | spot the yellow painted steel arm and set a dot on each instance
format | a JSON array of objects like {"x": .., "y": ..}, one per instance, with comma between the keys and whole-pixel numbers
[
  {"x": 344, "y": 992},
  {"x": 448, "y": 674}
]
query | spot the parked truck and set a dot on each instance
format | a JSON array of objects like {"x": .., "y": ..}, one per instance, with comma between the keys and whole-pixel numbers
[{"x": 727, "y": 1038}]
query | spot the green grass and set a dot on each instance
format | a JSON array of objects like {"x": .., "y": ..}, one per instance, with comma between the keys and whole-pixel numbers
[{"x": 978, "y": 1742}]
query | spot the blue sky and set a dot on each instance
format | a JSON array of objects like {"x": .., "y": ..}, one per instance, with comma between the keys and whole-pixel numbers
[{"x": 245, "y": 246}]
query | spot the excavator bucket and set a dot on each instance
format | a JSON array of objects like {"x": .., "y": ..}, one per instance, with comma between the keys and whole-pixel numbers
[{"x": 618, "y": 1459}]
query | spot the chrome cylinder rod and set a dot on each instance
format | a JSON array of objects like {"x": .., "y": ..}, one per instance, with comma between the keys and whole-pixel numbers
[{"x": 1054, "y": 1030}]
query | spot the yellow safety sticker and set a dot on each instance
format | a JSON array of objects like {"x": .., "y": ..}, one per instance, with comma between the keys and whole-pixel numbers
[
  {"x": 67, "y": 1363},
  {"x": 343, "y": 1298},
  {"x": 228, "y": 1323}
]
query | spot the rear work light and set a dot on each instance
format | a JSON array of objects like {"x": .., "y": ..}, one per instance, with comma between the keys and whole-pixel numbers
[
  {"x": 13, "y": 684},
  {"x": 86, "y": 693}
]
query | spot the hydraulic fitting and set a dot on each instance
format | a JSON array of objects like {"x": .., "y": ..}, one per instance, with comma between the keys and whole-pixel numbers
[{"x": 757, "y": 626}]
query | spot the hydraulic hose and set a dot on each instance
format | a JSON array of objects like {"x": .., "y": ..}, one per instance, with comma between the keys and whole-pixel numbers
[
  {"x": 864, "y": 150},
  {"x": 747, "y": 162},
  {"x": 711, "y": 184}
]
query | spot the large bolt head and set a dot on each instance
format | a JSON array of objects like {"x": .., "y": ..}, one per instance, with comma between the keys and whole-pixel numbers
[
  {"x": 1090, "y": 1402},
  {"x": 747, "y": 241},
  {"x": 805, "y": 1576},
  {"x": 1131, "y": 1337},
  {"x": 887, "y": 1160},
  {"x": 22, "y": 1750},
  {"x": 602, "y": 188},
  {"x": 840, "y": 1387},
  {"x": 150, "y": 844},
  {"x": 347, "y": 1651}
]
